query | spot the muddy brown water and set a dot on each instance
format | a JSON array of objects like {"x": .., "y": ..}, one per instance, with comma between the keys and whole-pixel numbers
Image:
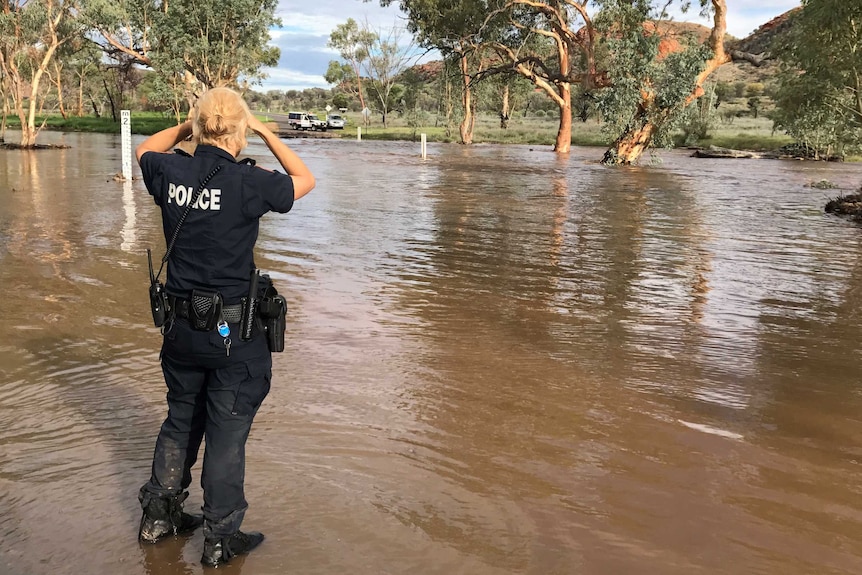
[{"x": 498, "y": 362}]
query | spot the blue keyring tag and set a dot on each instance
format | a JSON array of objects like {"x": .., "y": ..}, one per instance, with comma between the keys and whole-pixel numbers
[{"x": 223, "y": 328}]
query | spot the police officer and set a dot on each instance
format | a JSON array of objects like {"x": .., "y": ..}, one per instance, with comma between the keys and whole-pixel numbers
[{"x": 216, "y": 381}]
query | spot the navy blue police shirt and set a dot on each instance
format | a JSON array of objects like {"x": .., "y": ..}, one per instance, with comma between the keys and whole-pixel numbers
[{"x": 214, "y": 248}]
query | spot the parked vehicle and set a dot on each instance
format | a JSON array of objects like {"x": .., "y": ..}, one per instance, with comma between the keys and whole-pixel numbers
[
  {"x": 316, "y": 123},
  {"x": 335, "y": 122},
  {"x": 299, "y": 121}
]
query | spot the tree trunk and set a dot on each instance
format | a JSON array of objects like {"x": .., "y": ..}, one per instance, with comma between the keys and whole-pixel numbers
[
  {"x": 564, "y": 133},
  {"x": 5, "y": 114},
  {"x": 79, "y": 108},
  {"x": 449, "y": 106},
  {"x": 110, "y": 99},
  {"x": 356, "y": 71},
  {"x": 467, "y": 123},
  {"x": 15, "y": 86},
  {"x": 58, "y": 82},
  {"x": 629, "y": 147},
  {"x": 504, "y": 109}
]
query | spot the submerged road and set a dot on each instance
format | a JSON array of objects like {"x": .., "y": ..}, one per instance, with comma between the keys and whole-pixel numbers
[{"x": 285, "y": 130}]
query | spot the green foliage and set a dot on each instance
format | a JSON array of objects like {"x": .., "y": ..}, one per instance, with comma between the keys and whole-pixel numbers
[
  {"x": 819, "y": 95},
  {"x": 446, "y": 25},
  {"x": 338, "y": 73},
  {"x": 754, "y": 89},
  {"x": 754, "y": 105},
  {"x": 815, "y": 126},
  {"x": 217, "y": 42},
  {"x": 698, "y": 119},
  {"x": 340, "y": 101}
]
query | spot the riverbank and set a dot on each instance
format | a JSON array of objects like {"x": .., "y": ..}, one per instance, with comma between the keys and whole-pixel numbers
[
  {"x": 849, "y": 206},
  {"x": 744, "y": 134}
]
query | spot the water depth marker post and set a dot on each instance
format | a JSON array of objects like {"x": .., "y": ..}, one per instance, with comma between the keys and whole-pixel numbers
[{"x": 126, "y": 138}]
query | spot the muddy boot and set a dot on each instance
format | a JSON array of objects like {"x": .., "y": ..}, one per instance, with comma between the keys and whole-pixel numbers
[
  {"x": 164, "y": 516},
  {"x": 220, "y": 550}
]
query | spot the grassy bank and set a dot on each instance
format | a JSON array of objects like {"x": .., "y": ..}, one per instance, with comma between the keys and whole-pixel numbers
[
  {"x": 142, "y": 123},
  {"x": 742, "y": 134}
]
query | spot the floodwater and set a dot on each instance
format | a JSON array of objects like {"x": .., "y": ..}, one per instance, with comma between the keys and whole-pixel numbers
[{"x": 498, "y": 362}]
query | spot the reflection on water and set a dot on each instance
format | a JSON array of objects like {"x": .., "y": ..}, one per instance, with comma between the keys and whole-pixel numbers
[{"x": 499, "y": 361}]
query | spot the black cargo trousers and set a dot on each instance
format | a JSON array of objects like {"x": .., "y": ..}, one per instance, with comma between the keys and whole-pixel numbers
[{"x": 215, "y": 395}]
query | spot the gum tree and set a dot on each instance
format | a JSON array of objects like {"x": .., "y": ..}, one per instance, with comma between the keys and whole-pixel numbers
[
  {"x": 654, "y": 78},
  {"x": 352, "y": 43},
  {"x": 456, "y": 28},
  {"x": 31, "y": 32},
  {"x": 387, "y": 58},
  {"x": 567, "y": 26},
  {"x": 206, "y": 43}
]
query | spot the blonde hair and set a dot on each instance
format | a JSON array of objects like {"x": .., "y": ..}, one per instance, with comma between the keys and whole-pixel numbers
[{"x": 220, "y": 118}]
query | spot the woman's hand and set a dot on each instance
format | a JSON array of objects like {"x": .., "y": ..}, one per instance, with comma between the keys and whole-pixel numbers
[{"x": 256, "y": 125}]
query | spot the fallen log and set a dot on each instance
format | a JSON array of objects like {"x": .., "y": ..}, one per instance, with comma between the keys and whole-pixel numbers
[{"x": 717, "y": 152}]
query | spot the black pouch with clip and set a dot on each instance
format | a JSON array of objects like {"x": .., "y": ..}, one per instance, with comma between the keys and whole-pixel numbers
[
  {"x": 158, "y": 297},
  {"x": 276, "y": 323},
  {"x": 159, "y": 304},
  {"x": 204, "y": 309},
  {"x": 272, "y": 309}
]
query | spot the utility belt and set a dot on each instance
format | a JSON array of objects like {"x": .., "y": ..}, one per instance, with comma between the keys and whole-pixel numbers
[
  {"x": 185, "y": 309},
  {"x": 205, "y": 311}
]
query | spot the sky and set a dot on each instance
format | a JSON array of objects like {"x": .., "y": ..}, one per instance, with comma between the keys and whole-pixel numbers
[{"x": 306, "y": 27}]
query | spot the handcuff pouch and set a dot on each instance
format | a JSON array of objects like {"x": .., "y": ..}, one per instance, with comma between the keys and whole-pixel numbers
[{"x": 204, "y": 309}]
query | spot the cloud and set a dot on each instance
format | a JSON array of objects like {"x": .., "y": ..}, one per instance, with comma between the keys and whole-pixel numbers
[
  {"x": 285, "y": 79},
  {"x": 304, "y": 35}
]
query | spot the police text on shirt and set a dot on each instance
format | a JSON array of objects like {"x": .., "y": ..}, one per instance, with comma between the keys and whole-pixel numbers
[{"x": 182, "y": 195}]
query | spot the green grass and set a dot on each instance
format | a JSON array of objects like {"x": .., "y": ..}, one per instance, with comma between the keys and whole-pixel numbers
[
  {"x": 741, "y": 134},
  {"x": 142, "y": 123},
  {"x": 754, "y": 134},
  {"x": 529, "y": 131}
]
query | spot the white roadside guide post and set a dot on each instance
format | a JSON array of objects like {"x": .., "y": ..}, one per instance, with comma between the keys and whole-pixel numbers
[
  {"x": 424, "y": 146},
  {"x": 126, "y": 138}
]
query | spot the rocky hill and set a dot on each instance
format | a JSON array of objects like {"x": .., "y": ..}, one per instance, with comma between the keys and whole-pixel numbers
[{"x": 759, "y": 41}]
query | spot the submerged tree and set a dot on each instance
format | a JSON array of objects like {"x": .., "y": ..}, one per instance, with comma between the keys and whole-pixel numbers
[{"x": 654, "y": 78}]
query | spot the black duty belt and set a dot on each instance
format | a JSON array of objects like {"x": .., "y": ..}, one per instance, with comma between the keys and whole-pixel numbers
[{"x": 231, "y": 313}]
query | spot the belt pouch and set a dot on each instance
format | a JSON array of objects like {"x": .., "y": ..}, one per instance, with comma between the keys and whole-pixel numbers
[
  {"x": 275, "y": 323},
  {"x": 204, "y": 309}
]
